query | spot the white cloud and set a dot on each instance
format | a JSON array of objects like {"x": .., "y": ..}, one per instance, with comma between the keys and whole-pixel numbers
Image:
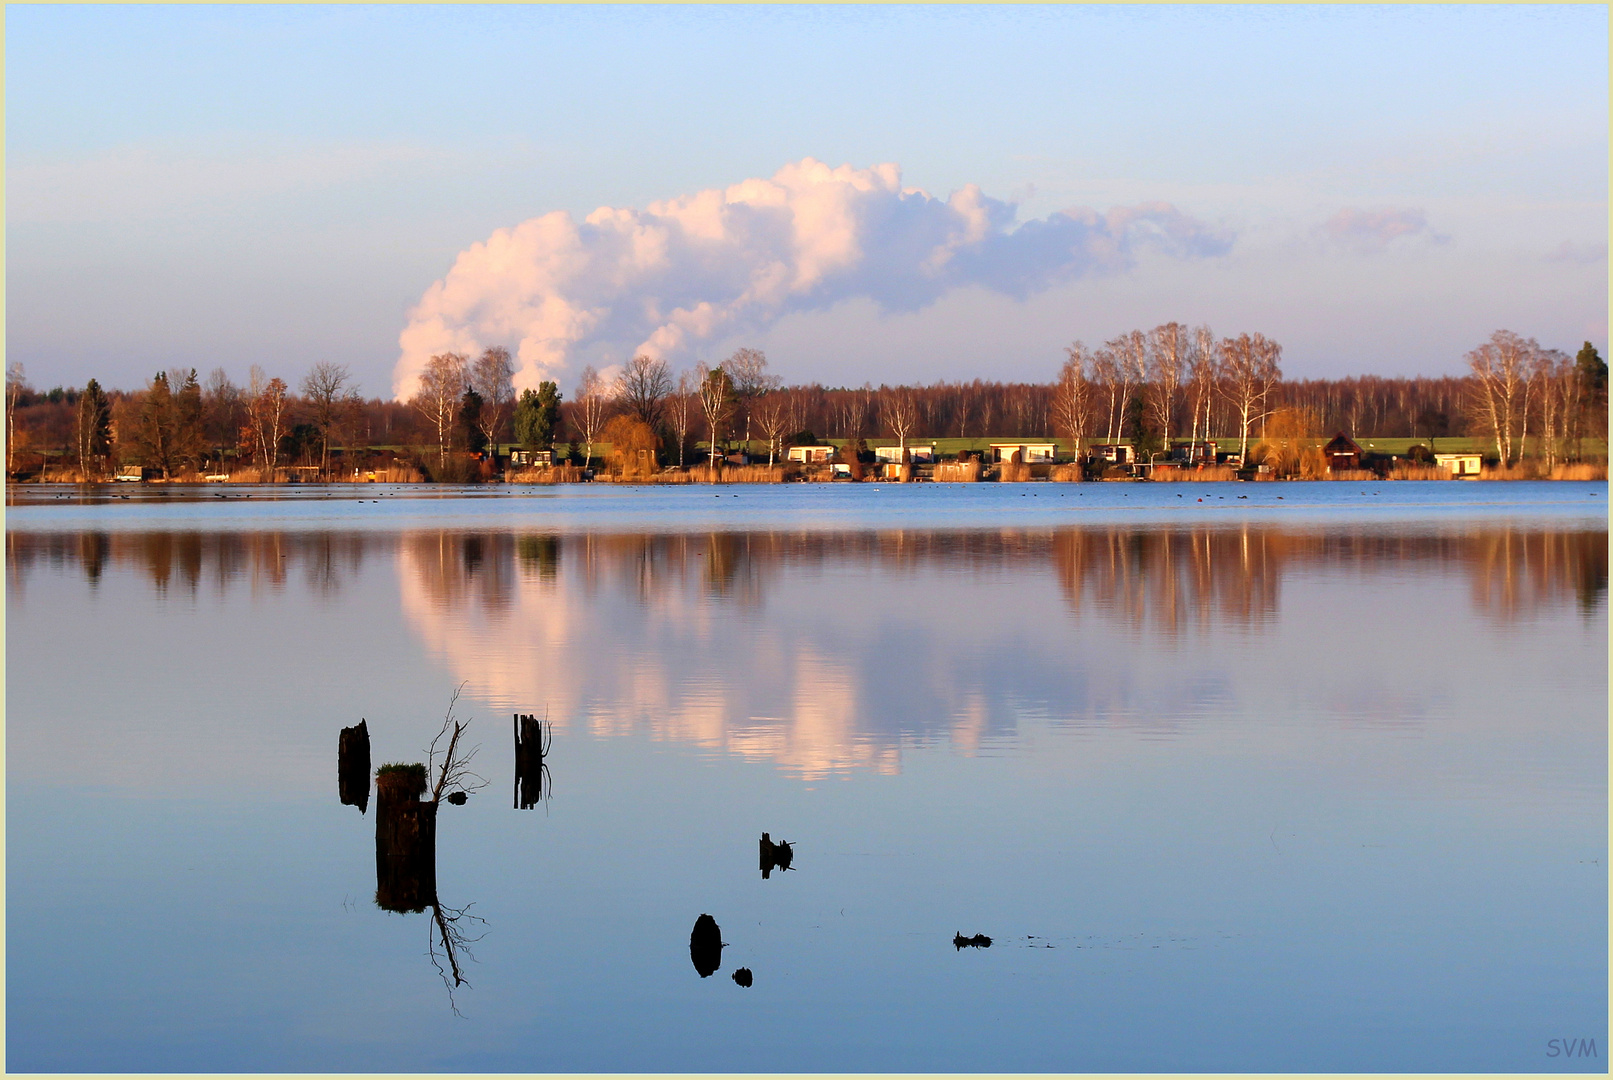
[
  {"x": 698, "y": 268},
  {"x": 1375, "y": 229}
]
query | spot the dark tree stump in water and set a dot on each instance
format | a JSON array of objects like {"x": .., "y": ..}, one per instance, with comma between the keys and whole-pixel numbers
[
  {"x": 353, "y": 766},
  {"x": 405, "y": 842},
  {"x": 529, "y": 748},
  {"x": 705, "y": 946},
  {"x": 775, "y": 856}
]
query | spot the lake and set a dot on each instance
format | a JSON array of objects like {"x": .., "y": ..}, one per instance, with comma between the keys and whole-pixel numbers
[{"x": 1233, "y": 777}]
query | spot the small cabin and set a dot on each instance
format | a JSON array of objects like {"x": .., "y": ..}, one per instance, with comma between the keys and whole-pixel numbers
[
  {"x": 811, "y": 454},
  {"x": 1115, "y": 453},
  {"x": 533, "y": 459},
  {"x": 1461, "y": 466},
  {"x": 1023, "y": 453},
  {"x": 917, "y": 455},
  {"x": 1342, "y": 453},
  {"x": 1193, "y": 453}
]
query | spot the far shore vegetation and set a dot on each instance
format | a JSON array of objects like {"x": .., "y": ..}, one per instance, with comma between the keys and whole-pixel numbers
[{"x": 1172, "y": 403}]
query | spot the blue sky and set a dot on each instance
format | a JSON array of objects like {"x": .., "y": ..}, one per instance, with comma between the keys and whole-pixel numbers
[{"x": 223, "y": 186}]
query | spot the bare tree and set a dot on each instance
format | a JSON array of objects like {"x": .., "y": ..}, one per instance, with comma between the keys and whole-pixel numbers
[
  {"x": 492, "y": 377},
  {"x": 798, "y": 403},
  {"x": 454, "y": 777},
  {"x": 1252, "y": 372},
  {"x": 1131, "y": 352},
  {"x": 1072, "y": 401},
  {"x": 716, "y": 402},
  {"x": 901, "y": 414},
  {"x": 221, "y": 404},
  {"x": 1500, "y": 369},
  {"x": 266, "y": 407},
  {"x": 772, "y": 412},
  {"x": 451, "y": 926},
  {"x": 16, "y": 386},
  {"x": 681, "y": 409},
  {"x": 593, "y": 395},
  {"x": 1553, "y": 374},
  {"x": 1106, "y": 372},
  {"x": 1204, "y": 371},
  {"x": 442, "y": 389},
  {"x": 643, "y": 387},
  {"x": 747, "y": 369},
  {"x": 326, "y": 390},
  {"x": 1167, "y": 349}
]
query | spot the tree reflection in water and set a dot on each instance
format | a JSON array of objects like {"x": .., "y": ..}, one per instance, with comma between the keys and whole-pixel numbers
[
  {"x": 406, "y": 847},
  {"x": 1165, "y": 577}
]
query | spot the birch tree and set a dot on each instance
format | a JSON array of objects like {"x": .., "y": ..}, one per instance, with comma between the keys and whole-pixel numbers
[
  {"x": 1167, "y": 355},
  {"x": 747, "y": 372},
  {"x": 717, "y": 398},
  {"x": 1106, "y": 373},
  {"x": 1500, "y": 369},
  {"x": 1204, "y": 371},
  {"x": 901, "y": 414},
  {"x": 773, "y": 414},
  {"x": 1252, "y": 371},
  {"x": 680, "y": 409},
  {"x": 593, "y": 396},
  {"x": 16, "y": 386},
  {"x": 442, "y": 389},
  {"x": 1072, "y": 401}
]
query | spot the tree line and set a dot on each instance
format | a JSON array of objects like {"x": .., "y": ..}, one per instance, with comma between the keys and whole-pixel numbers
[{"x": 1150, "y": 388}]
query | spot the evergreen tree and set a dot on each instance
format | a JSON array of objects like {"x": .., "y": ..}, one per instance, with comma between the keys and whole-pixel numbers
[
  {"x": 157, "y": 425},
  {"x": 470, "y": 421},
  {"x": 189, "y": 435},
  {"x": 537, "y": 415},
  {"x": 94, "y": 429},
  {"x": 1592, "y": 369}
]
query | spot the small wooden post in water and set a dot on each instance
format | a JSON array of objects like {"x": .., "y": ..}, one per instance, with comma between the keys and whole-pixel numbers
[
  {"x": 353, "y": 766},
  {"x": 528, "y": 761}
]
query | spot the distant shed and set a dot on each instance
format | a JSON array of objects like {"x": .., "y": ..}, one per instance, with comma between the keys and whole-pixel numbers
[
  {"x": 1461, "y": 465},
  {"x": 1342, "y": 453}
]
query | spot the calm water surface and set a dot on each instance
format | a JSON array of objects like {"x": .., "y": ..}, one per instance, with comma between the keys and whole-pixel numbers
[{"x": 1310, "y": 783}]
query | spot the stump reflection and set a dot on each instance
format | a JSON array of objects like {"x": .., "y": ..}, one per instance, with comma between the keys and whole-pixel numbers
[
  {"x": 705, "y": 946},
  {"x": 532, "y": 741},
  {"x": 405, "y": 840},
  {"x": 353, "y": 766},
  {"x": 775, "y": 856}
]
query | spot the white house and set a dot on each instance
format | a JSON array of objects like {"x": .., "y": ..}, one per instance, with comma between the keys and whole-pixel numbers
[
  {"x": 1462, "y": 466},
  {"x": 1025, "y": 453},
  {"x": 918, "y": 455},
  {"x": 808, "y": 454}
]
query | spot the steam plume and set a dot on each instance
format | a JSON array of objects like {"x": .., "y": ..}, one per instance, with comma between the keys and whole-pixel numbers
[{"x": 718, "y": 262}]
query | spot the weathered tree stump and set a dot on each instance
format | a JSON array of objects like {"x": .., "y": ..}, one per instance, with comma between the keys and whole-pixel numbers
[
  {"x": 405, "y": 840},
  {"x": 353, "y": 766},
  {"x": 705, "y": 946}
]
